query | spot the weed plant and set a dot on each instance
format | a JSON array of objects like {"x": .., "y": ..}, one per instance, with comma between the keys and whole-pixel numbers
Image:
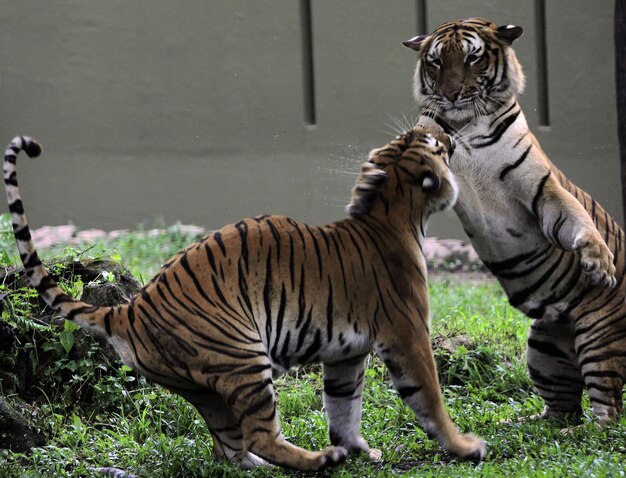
[{"x": 479, "y": 343}]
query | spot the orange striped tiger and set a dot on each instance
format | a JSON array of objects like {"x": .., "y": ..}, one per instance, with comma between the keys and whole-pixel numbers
[
  {"x": 557, "y": 253},
  {"x": 249, "y": 301}
]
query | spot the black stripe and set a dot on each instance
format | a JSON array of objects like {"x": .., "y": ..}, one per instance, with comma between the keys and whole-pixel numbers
[
  {"x": 130, "y": 313},
  {"x": 329, "y": 311},
  {"x": 247, "y": 389},
  {"x": 434, "y": 116},
  {"x": 242, "y": 227},
  {"x": 185, "y": 263},
  {"x": 243, "y": 289},
  {"x": 46, "y": 283},
  {"x": 339, "y": 391},
  {"x": 279, "y": 324},
  {"x": 324, "y": 235},
  {"x": 531, "y": 264},
  {"x": 304, "y": 330},
  {"x": 509, "y": 263},
  {"x": 31, "y": 261},
  {"x": 504, "y": 113},
  {"x": 276, "y": 236},
  {"x": 210, "y": 256},
  {"x": 405, "y": 392},
  {"x": 22, "y": 234},
  {"x": 292, "y": 266},
  {"x": 11, "y": 180},
  {"x": 537, "y": 197},
  {"x": 516, "y": 164},
  {"x": 259, "y": 405},
  {"x": 168, "y": 353},
  {"x": 307, "y": 356},
  {"x": 301, "y": 297},
  {"x": 498, "y": 131},
  {"x": 355, "y": 246},
  {"x": 267, "y": 294},
  {"x": 522, "y": 296},
  {"x": 285, "y": 350},
  {"x": 603, "y": 374},
  {"x": 16, "y": 207},
  {"x": 141, "y": 364},
  {"x": 107, "y": 321},
  {"x": 61, "y": 299},
  {"x": 547, "y": 348},
  {"x": 512, "y": 233},
  {"x": 217, "y": 236},
  {"x": 79, "y": 310},
  {"x": 227, "y": 308},
  {"x": 316, "y": 246},
  {"x": 341, "y": 265},
  {"x": 556, "y": 229}
]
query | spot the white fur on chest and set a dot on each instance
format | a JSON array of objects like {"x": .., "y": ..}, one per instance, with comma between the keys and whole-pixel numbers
[{"x": 487, "y": 206}]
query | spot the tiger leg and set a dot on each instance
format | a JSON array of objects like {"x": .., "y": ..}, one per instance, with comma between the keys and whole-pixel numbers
[
  {"x": 576, "y": 232},
  {"x": 227, "y": 437},
  {"x": 605, "y": 387},
  {"x": 253, "y": 405},
  {"x": 411, "y": 364},
  {"x": 554, "y": 368},
  {"x": 603, "y": 369},
  {"x": 343, "y": 399}
]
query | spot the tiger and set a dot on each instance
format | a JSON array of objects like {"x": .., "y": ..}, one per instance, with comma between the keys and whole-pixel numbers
[
  {"x": 557, "y": 253},
  {"x": 233, "y": 311}
]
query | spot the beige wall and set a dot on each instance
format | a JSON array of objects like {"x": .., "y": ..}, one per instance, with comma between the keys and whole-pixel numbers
[{"x": 193, "y": 110}]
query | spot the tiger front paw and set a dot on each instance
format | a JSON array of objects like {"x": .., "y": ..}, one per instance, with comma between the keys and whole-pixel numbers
[
  {"x": 358, "y": 444},
  {"x": 468, "y": 447},
  {"x": 596, "y": 259},
  {"x": 330, "y": 456}
]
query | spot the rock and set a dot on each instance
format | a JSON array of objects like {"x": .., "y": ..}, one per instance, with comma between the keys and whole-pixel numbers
[
  {"x": 451, "y": 255},
  {"x": 105, "y": 283},
  {"x": 48, "y": 236},
  {"x": 16, "y": 433}
]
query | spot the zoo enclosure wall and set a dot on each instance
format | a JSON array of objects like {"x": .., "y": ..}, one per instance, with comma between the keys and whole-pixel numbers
[{"x": 206, "y": 112}]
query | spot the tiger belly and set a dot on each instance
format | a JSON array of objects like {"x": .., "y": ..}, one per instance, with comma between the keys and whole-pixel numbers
[
  {"x": 511, "y": 244},
  {"x": 345, "y": 345}
]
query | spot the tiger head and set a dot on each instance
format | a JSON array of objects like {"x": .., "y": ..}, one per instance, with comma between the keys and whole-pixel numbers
[
  {"x": 467, "y": 68},
  {"x": 408, "y": 175}
]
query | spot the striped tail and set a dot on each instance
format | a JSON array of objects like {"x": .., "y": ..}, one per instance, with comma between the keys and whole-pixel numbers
[{"x": 94, "y": 317}]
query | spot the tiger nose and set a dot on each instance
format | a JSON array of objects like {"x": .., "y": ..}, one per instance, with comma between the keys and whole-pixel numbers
[{"x": 453, "y": 93}]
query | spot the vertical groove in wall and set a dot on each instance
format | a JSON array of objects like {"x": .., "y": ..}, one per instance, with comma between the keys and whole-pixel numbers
[
  {"x": 543, "y": 100},
  {"x": 420, "y": 11},
  {"x": 308, "y": 77}
]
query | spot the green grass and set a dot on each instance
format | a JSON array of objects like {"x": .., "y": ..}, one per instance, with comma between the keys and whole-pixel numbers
[{"x": 479, "y": 344}]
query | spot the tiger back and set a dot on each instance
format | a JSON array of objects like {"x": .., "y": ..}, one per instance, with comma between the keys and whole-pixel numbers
[
  {"x": 557, "y": 253},
  {"x": 230, "y": 312}
]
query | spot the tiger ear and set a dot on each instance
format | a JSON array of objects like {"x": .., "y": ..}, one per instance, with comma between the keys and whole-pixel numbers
[
  {"x": 415, "y": 42},
  {"x": 509, "y": 33}
]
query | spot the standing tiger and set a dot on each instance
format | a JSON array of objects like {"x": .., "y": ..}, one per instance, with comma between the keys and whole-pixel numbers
[
  {"x": 249, "y": 301},
  {"x": 557, "y": 253}
]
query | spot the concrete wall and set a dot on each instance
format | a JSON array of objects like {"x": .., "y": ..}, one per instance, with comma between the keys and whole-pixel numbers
[{"x": 197, "y": 110}]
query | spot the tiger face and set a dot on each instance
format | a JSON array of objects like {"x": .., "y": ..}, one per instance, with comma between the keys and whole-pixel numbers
[
  {"x": 410, "y": 174},
  {"x": 466, "y": 68}
]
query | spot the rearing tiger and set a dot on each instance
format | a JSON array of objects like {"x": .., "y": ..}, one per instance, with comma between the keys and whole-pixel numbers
[
  {"x": 235, "y": 309},
  {"x": 557, "y": 253}
]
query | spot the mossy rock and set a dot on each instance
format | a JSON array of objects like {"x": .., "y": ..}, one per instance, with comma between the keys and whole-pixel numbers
[
  {"x": 105, "y": 283},
  {"x": 16, "y": 433}
]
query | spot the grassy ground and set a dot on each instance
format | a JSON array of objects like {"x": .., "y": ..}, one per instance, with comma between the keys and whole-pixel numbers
[{"x": 479, "y": 342}]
